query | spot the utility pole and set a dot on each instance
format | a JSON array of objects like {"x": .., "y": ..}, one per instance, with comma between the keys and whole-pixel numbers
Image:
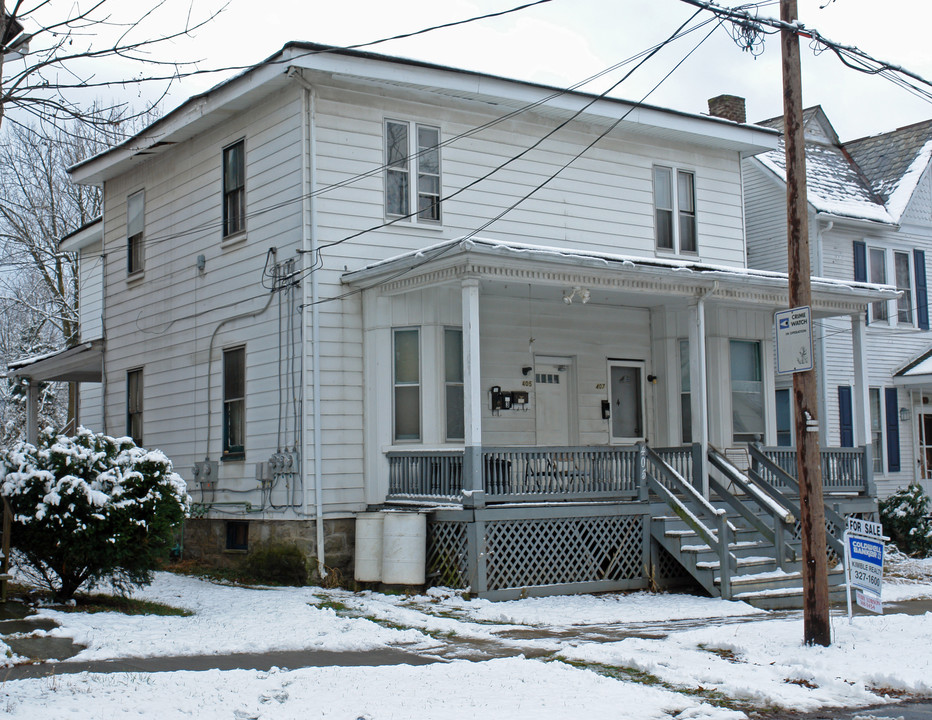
[{"x": 805, "y": 391}]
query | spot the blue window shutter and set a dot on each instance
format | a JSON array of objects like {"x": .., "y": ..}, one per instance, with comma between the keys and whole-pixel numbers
[
  {"x": 893, "y": 430},
  {"x": 860, "y": 269},
  {"x": 845, "y": 419},
  {"x": 922, "y": 294},
  {"x": 860, "y": 261}
]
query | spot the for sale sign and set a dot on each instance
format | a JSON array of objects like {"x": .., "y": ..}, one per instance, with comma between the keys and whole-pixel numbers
[{"x": 865, "y": 563}]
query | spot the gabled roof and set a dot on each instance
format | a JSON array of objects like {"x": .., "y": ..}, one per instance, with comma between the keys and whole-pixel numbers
[
  {"x": 868, "y": 179},
  {"x": 918, "y": 371},
  {"x": 894, "y": 162},
  {"x": 834, "y": 183},
  {"x": 324, "y": 63}
]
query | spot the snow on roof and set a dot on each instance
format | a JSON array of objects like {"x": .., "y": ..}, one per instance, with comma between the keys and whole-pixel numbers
[
  {"x": 872, "y": 179},
  {"x": 919, "y": 365},
  {"x": 589, "y": 257}
]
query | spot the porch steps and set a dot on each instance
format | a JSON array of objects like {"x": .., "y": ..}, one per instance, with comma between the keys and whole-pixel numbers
[{"x": 758, "y": 579}]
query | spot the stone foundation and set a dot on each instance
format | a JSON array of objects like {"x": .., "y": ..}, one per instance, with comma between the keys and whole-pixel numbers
[{"x": 226, "y": 543}]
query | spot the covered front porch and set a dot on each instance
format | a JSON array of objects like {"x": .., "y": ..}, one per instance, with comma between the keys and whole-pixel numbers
[{"x": 583, "y": 395}]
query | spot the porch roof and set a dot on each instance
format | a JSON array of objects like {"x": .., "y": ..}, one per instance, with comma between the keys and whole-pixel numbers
[
  {"x": 82, "y": 363},
  {"x": 917, "y": 372},
  {"x": 665, "y": 279}
]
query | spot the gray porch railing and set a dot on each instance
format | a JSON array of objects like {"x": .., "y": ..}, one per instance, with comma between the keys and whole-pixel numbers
[
  {"x": 539, "y": 474},
  {"x": 844, "y": 470}
]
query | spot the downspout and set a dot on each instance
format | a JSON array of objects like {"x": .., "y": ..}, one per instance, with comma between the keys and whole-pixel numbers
[
  {"x": 309, "y": 255},
  {"x": 103, "y": 308},
  {"x": 821, "y": 376}
]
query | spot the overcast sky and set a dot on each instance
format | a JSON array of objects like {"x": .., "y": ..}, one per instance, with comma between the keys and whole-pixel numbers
[
  {"x": 557, "y": 43},
  {"x": 564, "y": 41}
]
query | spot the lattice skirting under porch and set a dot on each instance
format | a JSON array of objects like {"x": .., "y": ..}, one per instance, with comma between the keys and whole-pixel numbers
[{"x": 504, "y": 552}]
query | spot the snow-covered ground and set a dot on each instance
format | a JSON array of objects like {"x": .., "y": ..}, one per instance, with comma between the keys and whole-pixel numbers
[{"x": 620, "y": 655}]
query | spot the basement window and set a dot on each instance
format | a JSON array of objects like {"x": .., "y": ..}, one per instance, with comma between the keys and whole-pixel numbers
[{"x": 237, "y": 535}]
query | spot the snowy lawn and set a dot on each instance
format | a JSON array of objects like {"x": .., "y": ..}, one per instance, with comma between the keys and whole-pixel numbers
[{"x": 536, "y": 657}]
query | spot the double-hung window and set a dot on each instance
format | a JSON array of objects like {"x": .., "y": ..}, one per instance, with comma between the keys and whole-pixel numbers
[
  {"x": 747, "y": 391},
  {"x": 134, "y": 405},
  {"x": 407, "y": 384},
  {"x": 234, "y": 402},
  {"x": 906, "y": 271},
  {"x": 453, "y": 383},
  {"x": 902, "y": 279},
  {"x": 417, "y": 153},
  {"x": 234, "y": 188},
  {"x": 877, "y": 273},
  {"x": 135, "y": 232},
  {"x": 675, "y": 210},
  {"x": 686, "y": 413},
  {"x": 876, "y": 414}
]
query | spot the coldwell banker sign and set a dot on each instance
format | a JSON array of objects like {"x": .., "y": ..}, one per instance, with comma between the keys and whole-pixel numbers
[
  {"x": 864, "y": 542},
  {"x": 794, "y": 340}
]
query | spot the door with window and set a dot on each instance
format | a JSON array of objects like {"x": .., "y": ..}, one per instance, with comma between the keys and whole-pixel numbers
[
  {"x": 626, "y": 399},
  {"x": 555, "y": 400}
]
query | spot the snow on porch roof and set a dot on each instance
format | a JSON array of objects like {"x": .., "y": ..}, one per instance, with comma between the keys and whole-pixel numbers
[
  {"x": 917, "y": 371},
  {"x": 686, "y": 276},
  {"x": 82, "y": 363}
]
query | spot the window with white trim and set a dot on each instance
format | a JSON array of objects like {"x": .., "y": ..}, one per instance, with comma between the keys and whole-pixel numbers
[
  {"x": 675, "y": 210},
  {"x": 234, "y": 403},
  {"x": 686, "y": 413},
  {"x": 877, "y": 423},
  {"x": 902, "y": 278},
  {"x": 407, "y": 384},
  {"x": 747, "y": 391},
  {"x": 419, "y": 150},
  {"x": 453, "y": 384},
  {"x": 877, "y": 273},
  {"x": 134, "y": 396},
  {"x": 234, "y": 188},
  {"x": 135, "y": 232}
]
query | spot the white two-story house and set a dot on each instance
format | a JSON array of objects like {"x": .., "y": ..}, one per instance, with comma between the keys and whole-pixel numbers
[
  {"x": 341, "y": 281},
  {"x": 870, "y": 220}
]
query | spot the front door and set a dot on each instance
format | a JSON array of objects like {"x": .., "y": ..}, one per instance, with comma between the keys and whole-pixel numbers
[
  {"x": 626, "y": 398},
  {"x": 553, "y": 395}
]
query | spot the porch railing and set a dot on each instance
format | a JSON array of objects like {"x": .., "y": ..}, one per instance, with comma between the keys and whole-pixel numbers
[
  {"x": 558, "y": 473},
  {"x": 844, "y": 470},
  {"x": 540, "y": 474}
]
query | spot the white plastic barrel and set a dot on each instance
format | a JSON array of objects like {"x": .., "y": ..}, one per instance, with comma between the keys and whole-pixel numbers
[
  {"x": 368, "y": 547},
  {"x": 404, "y": 548}
]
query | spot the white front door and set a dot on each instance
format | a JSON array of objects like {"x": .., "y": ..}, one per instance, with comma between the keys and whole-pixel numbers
[
  {"x": 552, "y": 392},
  {"x": 626, "y": 399}
]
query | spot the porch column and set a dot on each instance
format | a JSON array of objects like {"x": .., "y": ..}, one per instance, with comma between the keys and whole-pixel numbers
[
  {"x": 698, "y": 390},
  {"x": 862, "y": 434},
  {"x": 32, "y": 411},
  {"x": 472, "y": 393}
]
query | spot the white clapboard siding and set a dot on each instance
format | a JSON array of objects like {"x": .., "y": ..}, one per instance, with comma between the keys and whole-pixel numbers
[{"x": 174, "y": 322}]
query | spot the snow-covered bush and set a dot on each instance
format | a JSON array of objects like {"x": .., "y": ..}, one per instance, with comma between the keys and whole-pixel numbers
[
  {"x": 905, "y": 518},
  {"x": 90, "y": 508}
]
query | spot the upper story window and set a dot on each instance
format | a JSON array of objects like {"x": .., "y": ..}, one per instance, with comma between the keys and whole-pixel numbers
[
  {"x": 135, "y": 232},
  {"x": 905, "y": 270},
  {"x": 234, "y": 188},
  {"x": 675, "y": 209},
  {"x": 234, "y": 402},
  {"x": 418, "y": 153}
]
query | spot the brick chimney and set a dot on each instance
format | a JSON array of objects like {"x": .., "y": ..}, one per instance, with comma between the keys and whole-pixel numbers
[{"x": 730, "y": 107}]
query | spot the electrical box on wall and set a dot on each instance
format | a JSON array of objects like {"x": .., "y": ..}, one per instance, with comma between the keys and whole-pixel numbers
[
  {"x": 206, "y": 472},
  {"x": 507, "y": 399}
]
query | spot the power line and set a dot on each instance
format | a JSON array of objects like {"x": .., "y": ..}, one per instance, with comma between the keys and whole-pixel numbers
[
  {"x": 541, "y": 185},
  {"x": 752, "y": 29},
  {"x": 213, "y": 225}
]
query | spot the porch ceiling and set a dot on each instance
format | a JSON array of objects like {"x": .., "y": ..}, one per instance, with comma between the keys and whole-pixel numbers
[{"x": 627, "y": 280}]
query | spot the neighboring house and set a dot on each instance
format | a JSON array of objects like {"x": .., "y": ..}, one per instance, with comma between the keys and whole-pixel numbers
[
  {"x": 342, "y": 281},
  {"x": 870, "y": 220}
]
